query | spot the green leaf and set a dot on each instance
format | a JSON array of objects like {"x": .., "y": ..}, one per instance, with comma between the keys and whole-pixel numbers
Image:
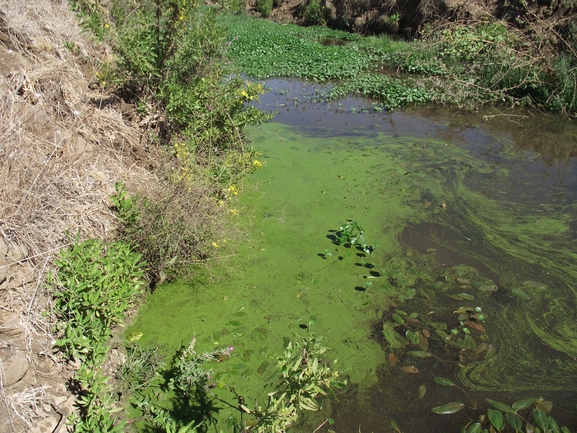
[
  {"x": 553, "y": 426},
  {"x": 541, "y": 419},
  {"x": 501, "y": 406},
  {"x": 422, "y": 391},
  {"x": 523, "y": 404},
  {"x": 514, "y": 421},
  {"x": 443, "y": 381},
  {"x": 496, "y": 418},
  {"x": 474, "y": 428},
  {"x": 448, "y": 409},
  {"x": 521, "y": 293},
  {"x": 419, "y": 353}
]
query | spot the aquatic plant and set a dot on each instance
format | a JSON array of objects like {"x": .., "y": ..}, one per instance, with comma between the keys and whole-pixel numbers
[
  {"x": 529, "y": 415},
  {"x": 351, "y": 234},
  {"x": 300, "y": 378}
]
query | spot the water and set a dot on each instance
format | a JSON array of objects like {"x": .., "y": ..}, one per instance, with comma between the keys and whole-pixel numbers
[{"x": 477, "y": 204}]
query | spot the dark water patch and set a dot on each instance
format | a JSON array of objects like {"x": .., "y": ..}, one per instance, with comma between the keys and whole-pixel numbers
[{"x": 444, "y": 244}]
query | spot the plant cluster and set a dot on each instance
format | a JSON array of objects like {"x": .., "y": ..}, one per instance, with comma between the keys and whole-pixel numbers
[
  {"x": 95, "y": 284},
  {"x": 169, "y": 59},
  {"x": 351, "y": 236},
  {"x": 467, "y": 65},
  {"x": 262, "y": 49},
  {"x": 530, "y": 415},
  {"x": 300, "y": 378}
]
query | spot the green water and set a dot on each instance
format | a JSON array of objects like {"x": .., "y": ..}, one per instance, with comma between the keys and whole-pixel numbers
[{"x": 442, "y": 203}]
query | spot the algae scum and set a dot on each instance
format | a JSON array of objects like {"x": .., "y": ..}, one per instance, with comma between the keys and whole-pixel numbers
[{"x": 468, "y": 274}]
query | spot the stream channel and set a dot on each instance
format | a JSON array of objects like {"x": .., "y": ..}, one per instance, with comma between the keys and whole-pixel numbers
[{"x": 471, "y": 220}]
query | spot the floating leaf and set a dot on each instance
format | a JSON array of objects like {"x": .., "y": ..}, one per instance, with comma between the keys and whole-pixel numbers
[
  {"x": 521, "y": 293},
  {"x": 422, "y": 391},
  {"x": 496, "y": 418},
  {"x": 514, "y": 421},
  {"x": 262, "y": 367},
  {"x": 500, "y": 406},
  {"x": 491, "y": 350},
  {"x": 410, "y": 369},
  {"x": 474, "y": 428},
  {"x": 529, "y": 428},
  {"x": 466, "y": 296},
  {"x": 488, "y": 288},
  {"x": 456, "y": 297},
  {"x": 523, "y": 404},
  {"x": 443, "y": 381},
  {"x": 463, "y": 310},
  {"x": 553, "y": 426},
  {"x": 410, "y": 294},
  {"x": 545, "y": 406},
  {"x": 448, "y": 409},
  {"x": 470, "y": 343},
  {"x": 475, "y": 325},
  {"x": 541, "y": 419},
  {"x": 481, "y": 348},
  {"x": 426, "y": 333},
  {"x": 398, "y": 319},
  {"x": 565, "y": 430},
  {"x": 419, "y": 353},
  {"x": 423, "y": 343},
  {"x": 392, "y": 358}
]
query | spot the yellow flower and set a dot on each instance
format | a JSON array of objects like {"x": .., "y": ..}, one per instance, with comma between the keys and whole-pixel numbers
[
  {"x": 233, "y": 211},
  {"x": 215, "y": 245},
  {"x": 257, "y": 164}
]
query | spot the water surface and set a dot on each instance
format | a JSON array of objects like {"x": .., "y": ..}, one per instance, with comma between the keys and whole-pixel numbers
[{"x": 458, "y": 203}]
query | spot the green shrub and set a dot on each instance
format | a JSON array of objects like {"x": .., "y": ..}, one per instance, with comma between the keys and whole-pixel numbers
[
  {"x": 264, "y": 7},
  {"x": 170, "y": 59},
  {"x": 313, "y": 13}
]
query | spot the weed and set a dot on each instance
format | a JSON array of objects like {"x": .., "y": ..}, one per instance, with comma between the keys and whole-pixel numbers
[
  {"x": 172, "y": 225},
  {"x": 95, "y": 285}
]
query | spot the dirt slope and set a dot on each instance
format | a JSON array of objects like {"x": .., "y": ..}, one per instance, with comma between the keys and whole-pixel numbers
[{"x": 64, "y": 142}]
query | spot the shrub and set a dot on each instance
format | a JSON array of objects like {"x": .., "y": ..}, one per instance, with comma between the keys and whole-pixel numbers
[
  {"x": 313, "y": 13},
  {"x": 264, "y": 7},
  {"x": 169, "y": 58},
  {"x": 173, "y": 225}
]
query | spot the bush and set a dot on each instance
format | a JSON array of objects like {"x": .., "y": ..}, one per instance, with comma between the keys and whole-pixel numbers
[
  {"x": 264, "y": 7},
  {"x": 313, "y": 14},
  {"x": 173, "y": 226},
  {"x": 169, "y": 58}
]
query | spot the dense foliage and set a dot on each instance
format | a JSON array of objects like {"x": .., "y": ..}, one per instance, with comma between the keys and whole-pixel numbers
[{"x": 464, "y": 65}]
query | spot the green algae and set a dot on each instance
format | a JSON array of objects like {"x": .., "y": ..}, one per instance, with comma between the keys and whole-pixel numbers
[{"x": 282, "y": 282}]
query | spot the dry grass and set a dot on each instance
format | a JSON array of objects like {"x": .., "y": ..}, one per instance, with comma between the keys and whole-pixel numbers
[{"x": 62, "y": 150}]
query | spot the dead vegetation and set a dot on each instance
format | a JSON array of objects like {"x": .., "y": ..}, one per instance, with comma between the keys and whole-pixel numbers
[{"x": 64, "y": 142}]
